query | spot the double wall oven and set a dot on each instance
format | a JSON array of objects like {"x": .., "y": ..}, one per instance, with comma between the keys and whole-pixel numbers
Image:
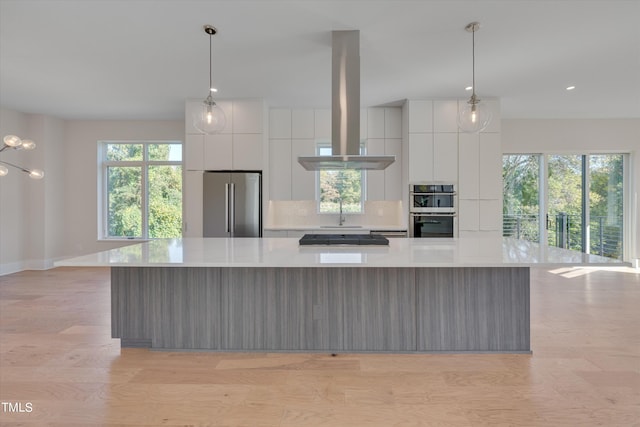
[{"x": 432, "y": 210}]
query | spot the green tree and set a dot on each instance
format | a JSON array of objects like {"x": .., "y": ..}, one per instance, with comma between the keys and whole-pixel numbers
[
  {"x": 345, "y": 184},
  {"x": 125, "y": 192}
]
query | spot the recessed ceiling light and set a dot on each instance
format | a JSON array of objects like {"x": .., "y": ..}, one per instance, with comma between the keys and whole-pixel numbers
[
  {"x": 468, "y": 88},
  {"x": 571, "y": 87}
]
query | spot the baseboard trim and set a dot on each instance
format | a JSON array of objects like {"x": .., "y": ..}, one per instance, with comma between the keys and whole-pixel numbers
[{"x": 32, "y": 264}]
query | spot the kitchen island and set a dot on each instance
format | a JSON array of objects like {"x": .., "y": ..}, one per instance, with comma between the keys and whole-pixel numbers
[{"x": 270, "y": 294}]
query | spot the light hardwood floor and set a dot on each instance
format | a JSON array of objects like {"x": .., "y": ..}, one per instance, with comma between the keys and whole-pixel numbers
[{"x": 56, "y": 353}]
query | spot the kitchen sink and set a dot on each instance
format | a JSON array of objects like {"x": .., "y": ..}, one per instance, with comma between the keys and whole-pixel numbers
[{"x": 340, "y": 226}]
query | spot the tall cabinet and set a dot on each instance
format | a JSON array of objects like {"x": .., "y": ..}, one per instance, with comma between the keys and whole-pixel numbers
[
  {"x": 240, "y": 146},
  {"x": 437, "y": 151}
]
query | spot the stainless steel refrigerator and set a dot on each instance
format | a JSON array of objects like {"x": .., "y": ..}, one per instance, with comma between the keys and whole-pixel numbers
[{"x": 232, "y": 205}]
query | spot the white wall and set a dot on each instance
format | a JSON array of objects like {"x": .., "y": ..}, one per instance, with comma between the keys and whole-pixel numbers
[
  {"x": 46, "y": 201},
  {"x": 32, "y": 211},
  {"x": 45, "y": 220},
  {"x": 582, "y": 136},
  {"x": 81, "y": 179},
  {"x": 14, "y": 195}
]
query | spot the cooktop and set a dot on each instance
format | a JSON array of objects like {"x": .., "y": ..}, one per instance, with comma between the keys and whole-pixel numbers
[{"x": 343, "y": 239}]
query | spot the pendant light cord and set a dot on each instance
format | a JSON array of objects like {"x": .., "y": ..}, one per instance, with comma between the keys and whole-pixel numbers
[
  {"x": 210, "y": 61},
  {"x": 473, "y": 60}
]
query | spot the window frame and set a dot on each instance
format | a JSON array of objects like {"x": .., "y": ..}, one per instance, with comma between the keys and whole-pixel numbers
[
  {"x": 543, "y": 195},
  {"x": 323, "y": 145},
  {"x": 144, "y": 164}
]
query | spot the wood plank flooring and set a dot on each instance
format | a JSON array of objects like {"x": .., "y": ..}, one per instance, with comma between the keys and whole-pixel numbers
[{"x": 56, "y": 353}]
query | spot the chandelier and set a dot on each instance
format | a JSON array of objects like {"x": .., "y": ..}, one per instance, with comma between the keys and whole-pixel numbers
[{"x": 15, "y": 143}]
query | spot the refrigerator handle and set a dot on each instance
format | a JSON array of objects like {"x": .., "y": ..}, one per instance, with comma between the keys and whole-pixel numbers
[
  {"x": 232, "y": 215},
  {"x": 226, "y": 207}
]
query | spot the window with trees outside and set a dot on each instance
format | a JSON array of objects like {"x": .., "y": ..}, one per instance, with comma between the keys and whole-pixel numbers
[
  {"x": 142, "y": 189},
  {"x": 343, "y": 184},
  {"x": 584, "y": 205}
]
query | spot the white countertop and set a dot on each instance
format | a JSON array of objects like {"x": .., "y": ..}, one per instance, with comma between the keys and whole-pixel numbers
[
  {"x": 286, "y": 252},
  {"x": 336, "y": 228}
]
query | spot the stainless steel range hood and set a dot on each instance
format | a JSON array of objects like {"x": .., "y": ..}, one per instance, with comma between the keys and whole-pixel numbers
[{"x": 345, "y": 111}]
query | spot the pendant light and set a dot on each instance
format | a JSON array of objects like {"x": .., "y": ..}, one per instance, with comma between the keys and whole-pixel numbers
[
  {"x": 209, "y": 117},
  {"x": 475, "y": 116}
]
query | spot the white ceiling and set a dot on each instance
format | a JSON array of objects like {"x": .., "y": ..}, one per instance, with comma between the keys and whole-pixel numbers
[{"x": 140, "y": 59}]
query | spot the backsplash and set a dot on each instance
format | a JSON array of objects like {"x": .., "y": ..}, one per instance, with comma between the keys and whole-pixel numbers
[{"x": 304, "y": 213}]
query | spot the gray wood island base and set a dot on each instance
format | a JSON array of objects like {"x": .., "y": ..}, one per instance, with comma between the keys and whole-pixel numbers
[
  {"x": 271, "y": 294},
  {"x": 324, "y": 309}
]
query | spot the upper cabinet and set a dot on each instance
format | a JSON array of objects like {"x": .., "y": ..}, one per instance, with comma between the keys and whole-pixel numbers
[
  {"x": 420, "y": 115},
  {"x": 445, "y": 116},
  {"x": 247, "y": 116},
  {"x": 239, "y": 146}
]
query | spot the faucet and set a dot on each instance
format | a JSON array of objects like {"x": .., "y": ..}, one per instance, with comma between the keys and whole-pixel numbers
[{"x": 341, "y": 218}]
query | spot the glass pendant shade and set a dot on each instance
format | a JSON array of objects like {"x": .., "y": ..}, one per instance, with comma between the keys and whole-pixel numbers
[
  {"x": 474, "y": 117},
  {"x": 3, "y": 170},
  {"x": 12, "y": 140},
  {"x": 36, "y": 174},
  {"x": 28, "y": 144},
  {"x": 209, "y": 118}
]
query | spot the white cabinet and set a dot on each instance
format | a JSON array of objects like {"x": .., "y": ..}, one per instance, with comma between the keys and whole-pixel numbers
[
  {"x": 302, "y": 123},
  {"x": 375, "y": 178},
  {"x": 192, "y": 204},
  {"x": 386, "y": 125},
  {"x": 469, "y": 162},
  {"x": 227, "y": 152},
  {"x": 392, "y": 123},
  {"x": 420, "y": 116},
  {"x": 420, "y": 157},
  {"x": 302, "y": 181},
  {"x": 194, "y": 152},
  {"x": 247, "y": 151},
  {"x": 494, "y": 124},
  {"x": 375, "y": 123},
  {"x": 445, "y": 157},
  {"x": 247, "y": 116},
  {"x": 490, "y": 215},
  {"x": 468, "y": 215},
  {"x": 279, "y": 123},
  {"x": 218, "y": 152},
  {"x": 239, "y": 146},
  {"x": 393, "y": 188},
  {"x": 280, "y": 164},
  {"x": 490, "y": 166},
  {"x": 322, "y": 124},
  {"x": 364, "y": 123},
  {"x": 445, "y": 116}
]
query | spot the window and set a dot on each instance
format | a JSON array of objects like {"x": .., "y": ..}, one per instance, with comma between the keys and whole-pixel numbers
[
  {"x": 584, "y": 205},
  {"x": 141, "y": 186},
  {"x": 343, "y": 184}
]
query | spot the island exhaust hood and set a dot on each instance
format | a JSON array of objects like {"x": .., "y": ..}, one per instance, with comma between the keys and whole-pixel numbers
[{"x": 345, "y": 111}]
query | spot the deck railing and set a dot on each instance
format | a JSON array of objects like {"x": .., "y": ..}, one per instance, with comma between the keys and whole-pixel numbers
[{"x": 565, "y": 231}]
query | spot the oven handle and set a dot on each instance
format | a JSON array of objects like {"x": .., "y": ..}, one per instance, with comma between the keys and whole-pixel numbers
[
  {"x": 432, "y": 214},
  {"x": 453, "y": 193}
]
